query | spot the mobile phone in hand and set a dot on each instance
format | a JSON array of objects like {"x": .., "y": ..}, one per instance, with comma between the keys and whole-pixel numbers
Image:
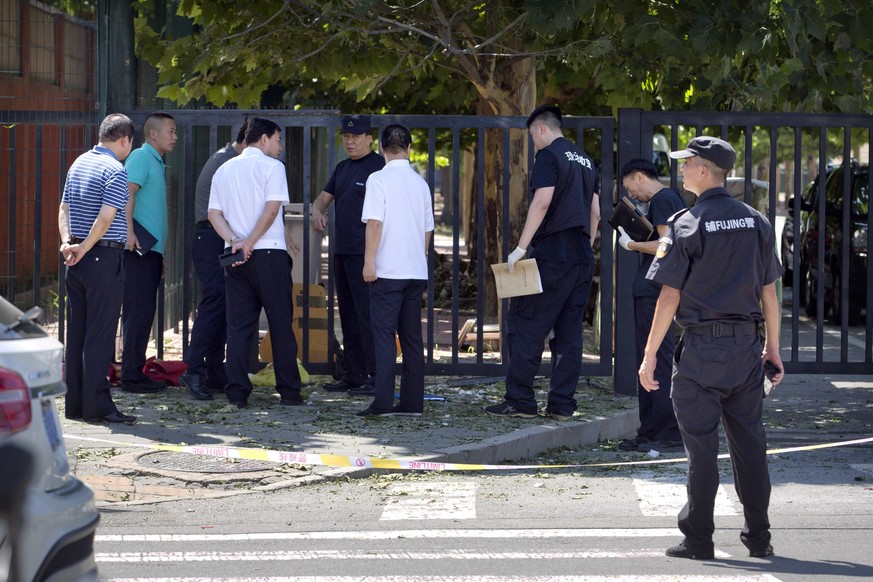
[
  {"x": 228, "y": 258},
  {"x": 770, "y": 371}
]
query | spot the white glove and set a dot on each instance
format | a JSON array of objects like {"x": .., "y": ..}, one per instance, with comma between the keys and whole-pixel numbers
[
  {"x": 514, "y": 257},
  {"x": 624, "y": 240}
]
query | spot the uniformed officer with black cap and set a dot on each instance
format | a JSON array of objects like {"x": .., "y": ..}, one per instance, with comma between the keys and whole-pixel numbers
[{"x": 717, "y": 265}]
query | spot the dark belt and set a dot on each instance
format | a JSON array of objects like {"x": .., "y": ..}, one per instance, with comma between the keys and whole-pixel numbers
[
  {"x": 101, "y": 243},
  {"x": 205, "y": 224},
  {"x": 723, "y": 329}
]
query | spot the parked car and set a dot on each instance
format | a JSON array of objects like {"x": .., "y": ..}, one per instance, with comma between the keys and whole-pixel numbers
[
  {"x": 787, "y": 241},
  {"x": 57, "y": 516},
  {"x": 833, "y": 267}
]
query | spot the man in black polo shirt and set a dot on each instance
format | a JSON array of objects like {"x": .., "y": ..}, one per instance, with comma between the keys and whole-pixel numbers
[
  {"x": 345, "y": 189},
  {"x": 561, "y": 222},
  {"x": 717, "y": 265},
  {"x": 205, "y": 354}
]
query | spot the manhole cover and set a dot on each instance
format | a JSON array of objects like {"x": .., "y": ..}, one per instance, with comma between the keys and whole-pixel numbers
[{"x": 169, "y": 461}]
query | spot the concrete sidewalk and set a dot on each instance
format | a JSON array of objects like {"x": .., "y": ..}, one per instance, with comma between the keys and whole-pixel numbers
[{"x": 122, "y": 468}]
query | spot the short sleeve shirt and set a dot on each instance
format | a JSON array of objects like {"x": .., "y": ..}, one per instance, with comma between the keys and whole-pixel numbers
[
  {"x": 401, "y": 200},
  {"x": 146, "y": 169},
  {"x": 664, "y": 204},
  {"x": 95, "y": 179},
  {"x": 241, "y": 188},
  {"x": 348, "y": 184},
  {"x": 571, "y": 172},
  {"x": 204, "y": 181},
  {"x": 719, "y": 254}
]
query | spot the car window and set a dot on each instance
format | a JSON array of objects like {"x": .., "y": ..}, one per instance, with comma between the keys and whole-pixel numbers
[
  {"x": 10, "y": 326},
  {"x": 861, "y": 195}
]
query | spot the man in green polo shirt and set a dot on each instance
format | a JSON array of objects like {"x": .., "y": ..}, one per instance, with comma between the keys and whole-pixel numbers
[{"x": 146, "y": 218}]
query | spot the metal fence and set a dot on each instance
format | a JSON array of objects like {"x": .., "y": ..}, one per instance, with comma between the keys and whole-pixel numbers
[
  {"x": 441, "y": 145},
  {"x": 825, "y": 329}
]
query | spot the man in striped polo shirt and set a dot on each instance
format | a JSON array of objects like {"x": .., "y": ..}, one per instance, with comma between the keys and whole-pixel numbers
[{"x": 93, "y": 229}]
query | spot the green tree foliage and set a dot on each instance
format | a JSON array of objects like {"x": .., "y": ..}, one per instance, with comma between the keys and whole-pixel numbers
[{"x": 441, "y": 55}]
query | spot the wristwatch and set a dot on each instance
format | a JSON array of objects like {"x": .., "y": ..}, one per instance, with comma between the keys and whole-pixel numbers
[{"x": 230, "y": 240}]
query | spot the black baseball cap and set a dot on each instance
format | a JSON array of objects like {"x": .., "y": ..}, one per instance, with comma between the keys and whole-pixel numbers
[
  {"x": 356, "y": 124},
  {"x": 716, "y": 150}
]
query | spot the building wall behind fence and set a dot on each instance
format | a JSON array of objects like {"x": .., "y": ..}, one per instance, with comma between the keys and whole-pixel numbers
[{"x": 48, "y": 101}]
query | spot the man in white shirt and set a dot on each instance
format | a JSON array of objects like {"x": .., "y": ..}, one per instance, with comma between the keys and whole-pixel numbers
[
  {"x": 398, "y": 211},
  {"x": 245, "y": 208}
]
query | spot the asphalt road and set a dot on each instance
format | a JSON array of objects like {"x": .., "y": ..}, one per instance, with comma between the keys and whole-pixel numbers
[{"x": 607, "y": 523}]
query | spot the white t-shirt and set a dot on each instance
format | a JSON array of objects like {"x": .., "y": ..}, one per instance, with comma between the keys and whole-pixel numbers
[
  {"x": 400, "y": 199},
  {"x": 240, "y": 189}
]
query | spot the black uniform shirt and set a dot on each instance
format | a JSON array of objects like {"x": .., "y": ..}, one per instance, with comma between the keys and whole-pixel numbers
[
  {"x": 571, "y": 172},
  {"x": 347, "y": 184},
  {"x": 664, "y": 204},
  {"x": 719, "y": 254}
]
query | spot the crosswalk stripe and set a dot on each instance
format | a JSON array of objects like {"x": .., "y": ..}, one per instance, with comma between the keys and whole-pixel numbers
[
  {"x": 615, "y": 578},
  {"x": 435, "y": 500},
  {"x": 382, "y": 555},
  {"x": 397, "y": 534},
  {"x": 665, "y": 496}
]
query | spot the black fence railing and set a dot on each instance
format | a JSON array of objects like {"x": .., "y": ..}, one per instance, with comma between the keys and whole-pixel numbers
[{"x": 469, "y": 165}]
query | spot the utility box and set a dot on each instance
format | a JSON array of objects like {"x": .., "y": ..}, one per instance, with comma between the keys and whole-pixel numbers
[{"x": 317, "y": 326}]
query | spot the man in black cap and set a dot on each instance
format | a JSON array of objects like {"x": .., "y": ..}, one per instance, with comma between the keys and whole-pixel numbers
[
  {"x": 346, "y": 186},
  {"x": 560, "y": 227},
  {"x": 717, "y": 265}
]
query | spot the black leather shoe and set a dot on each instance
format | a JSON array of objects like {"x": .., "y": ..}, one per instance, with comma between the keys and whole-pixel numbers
[
  {"x": 341, "y": 386},
  {"x": 633, "y": 444},
  {"x": 143, "y": 386},
  {"x": 683, "y": 551},
  {"x": 194, "y": 384},
  {"x": 362, "y": 390},
  {"x": 764, "y": 553},
  {"x": 295, "y": 400},
  {"x": 239, "y": 403},
  {"x": 118, "y": 417}
]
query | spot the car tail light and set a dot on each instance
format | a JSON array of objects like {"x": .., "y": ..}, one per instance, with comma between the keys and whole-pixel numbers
[{"x": 15, "y": 412}]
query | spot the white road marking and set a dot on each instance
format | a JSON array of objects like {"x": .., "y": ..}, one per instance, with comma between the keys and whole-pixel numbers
[
  {"x": 618, "y": 578},
  {"x": 438, "y": 500},
  {"x": 664, "y": 496},
  {"x": 283, "y": 556},
  {"x": 396, "y": 534}
]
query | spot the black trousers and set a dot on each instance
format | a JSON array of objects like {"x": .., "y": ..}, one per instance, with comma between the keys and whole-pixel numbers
[
  {"x": 395, "y": 307},
  {"x": 143, "y": 277},
  {"x": 722, "y": 378},
  {"x": 657, "y": 419},
  {"x": 264, "y": 281},
  {"x": 560, "y": 307},
  {"x": 94, "y": 294},
  {"x": 353, "y": 299},
  {"x": 205, "y": 353}
]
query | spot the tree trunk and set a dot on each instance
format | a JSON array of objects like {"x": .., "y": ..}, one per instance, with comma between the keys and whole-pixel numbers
[{"x": 509, "y": 91}]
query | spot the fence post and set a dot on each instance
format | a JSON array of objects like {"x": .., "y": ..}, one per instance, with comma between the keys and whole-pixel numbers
[{"x": 629, "y": 147}]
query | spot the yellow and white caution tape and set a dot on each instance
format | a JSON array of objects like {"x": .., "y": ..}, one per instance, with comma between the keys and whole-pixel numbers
[{"x": 327, "y": 460}]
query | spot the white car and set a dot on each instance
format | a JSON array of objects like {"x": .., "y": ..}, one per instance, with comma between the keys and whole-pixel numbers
[{"x": 54, "y": 512}]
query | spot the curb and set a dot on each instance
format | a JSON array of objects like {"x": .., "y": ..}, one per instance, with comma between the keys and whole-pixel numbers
[{"x": 520, "y": 444}]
